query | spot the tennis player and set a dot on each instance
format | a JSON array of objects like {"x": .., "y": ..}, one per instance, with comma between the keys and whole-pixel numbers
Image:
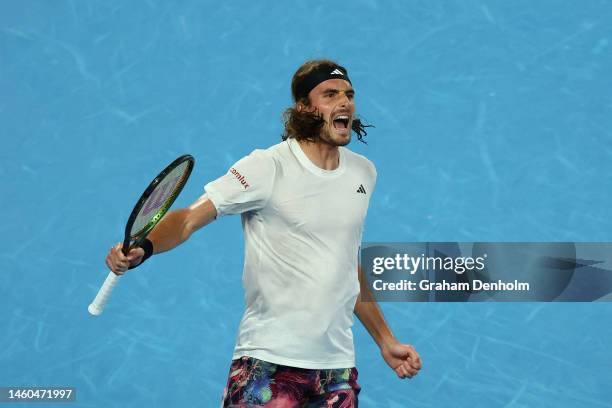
[{"x": 303, "y": 204}]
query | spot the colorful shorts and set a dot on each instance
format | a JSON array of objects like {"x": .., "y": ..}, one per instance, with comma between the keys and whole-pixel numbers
[{"x": 257, "y": 383}]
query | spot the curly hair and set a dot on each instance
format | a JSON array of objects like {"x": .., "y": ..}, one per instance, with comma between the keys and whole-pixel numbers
[{"x": 307, "y": 125}]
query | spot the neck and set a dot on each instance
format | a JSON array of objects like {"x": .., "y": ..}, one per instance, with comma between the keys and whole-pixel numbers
[{"x": 321, "y": 154}]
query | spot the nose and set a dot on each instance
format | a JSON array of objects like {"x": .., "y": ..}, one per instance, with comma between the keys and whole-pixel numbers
[{"x": 344, "y": 99}]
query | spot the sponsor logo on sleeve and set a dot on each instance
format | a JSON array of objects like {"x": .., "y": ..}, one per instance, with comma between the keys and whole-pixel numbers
[{"x": 240, "y": 178}]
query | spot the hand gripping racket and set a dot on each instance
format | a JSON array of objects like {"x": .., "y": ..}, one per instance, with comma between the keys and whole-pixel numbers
[{"x": 151, "y": 207}]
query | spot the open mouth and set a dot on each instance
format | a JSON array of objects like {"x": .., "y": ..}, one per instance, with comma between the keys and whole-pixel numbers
[{"x": 341, "y": 122}]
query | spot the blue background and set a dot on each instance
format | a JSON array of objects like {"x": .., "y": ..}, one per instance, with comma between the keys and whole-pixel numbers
[{"x": 492, "y": 123}]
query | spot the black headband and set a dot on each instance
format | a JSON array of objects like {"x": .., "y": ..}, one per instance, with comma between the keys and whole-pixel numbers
[{"x": 318, "y": 75}]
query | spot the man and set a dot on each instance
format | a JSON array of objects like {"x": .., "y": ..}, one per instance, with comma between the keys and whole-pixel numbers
[{"x": 303, "y": 203}]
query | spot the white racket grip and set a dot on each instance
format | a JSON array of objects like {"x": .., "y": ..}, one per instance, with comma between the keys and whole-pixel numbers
[{"x": 97, "y": 306}]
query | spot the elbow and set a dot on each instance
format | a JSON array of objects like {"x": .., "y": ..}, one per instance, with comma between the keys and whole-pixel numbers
[{"x": 196, "y": 217}]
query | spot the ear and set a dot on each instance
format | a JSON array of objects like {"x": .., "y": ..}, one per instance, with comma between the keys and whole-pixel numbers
[{"x": 305, "y": 107}]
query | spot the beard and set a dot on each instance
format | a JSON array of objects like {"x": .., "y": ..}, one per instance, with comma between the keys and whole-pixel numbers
[{"x": 331, "y": 137}]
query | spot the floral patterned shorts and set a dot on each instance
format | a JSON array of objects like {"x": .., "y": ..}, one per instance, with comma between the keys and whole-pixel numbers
[{"x": 257, "y": 383}]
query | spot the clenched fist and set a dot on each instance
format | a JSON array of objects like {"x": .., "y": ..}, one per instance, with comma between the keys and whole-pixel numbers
[{"x": 119, "y": 263}]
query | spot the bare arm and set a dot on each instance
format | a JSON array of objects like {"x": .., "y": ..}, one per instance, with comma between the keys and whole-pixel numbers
[
  {"x": 174, "y": 229},
  {"x": 177, "y": 226},
  {"x": 369, "y": 314},
  {"x": 402, "y": 358}
]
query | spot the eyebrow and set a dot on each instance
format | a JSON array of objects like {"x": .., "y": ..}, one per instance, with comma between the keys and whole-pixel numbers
[{"x": 335, "y": 90}]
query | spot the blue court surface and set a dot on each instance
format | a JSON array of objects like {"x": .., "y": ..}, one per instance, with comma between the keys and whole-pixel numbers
[{"x": 493, "y": 123}]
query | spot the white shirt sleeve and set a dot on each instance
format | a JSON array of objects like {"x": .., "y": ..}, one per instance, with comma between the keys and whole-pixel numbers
[{"x": 245, "y": 187}]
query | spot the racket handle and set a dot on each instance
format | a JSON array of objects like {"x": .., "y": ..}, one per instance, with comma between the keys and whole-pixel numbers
[{"x": 97, "y": 306}]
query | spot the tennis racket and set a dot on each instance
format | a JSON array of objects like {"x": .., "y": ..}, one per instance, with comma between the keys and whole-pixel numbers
[{"x": 151, "y": 207}]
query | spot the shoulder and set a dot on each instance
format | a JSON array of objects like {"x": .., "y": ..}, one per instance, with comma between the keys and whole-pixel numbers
[
  {"x": 356, "y": 160},
  {"x": 276, "y": 158},
  {"x": 272, "y": 154},
  {"x": 266, "y": 157},
  {"x": 260, "y": 165}
]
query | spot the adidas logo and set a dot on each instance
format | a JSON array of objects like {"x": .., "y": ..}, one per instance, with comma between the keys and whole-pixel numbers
[
  {"x": 361, "y": 189},
  {"x": 336, "y": 72}
]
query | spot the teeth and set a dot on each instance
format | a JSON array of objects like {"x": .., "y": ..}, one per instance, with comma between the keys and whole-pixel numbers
[{"x": 342, "y": 117}]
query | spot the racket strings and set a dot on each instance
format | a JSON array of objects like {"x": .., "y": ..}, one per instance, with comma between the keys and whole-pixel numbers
[{"x": 159, "y": 200}]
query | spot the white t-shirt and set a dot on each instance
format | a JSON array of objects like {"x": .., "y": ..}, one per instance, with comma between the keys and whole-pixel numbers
[{"x": 302, "y": 228}]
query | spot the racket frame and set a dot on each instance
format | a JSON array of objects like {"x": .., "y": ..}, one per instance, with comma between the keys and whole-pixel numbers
[{"x": 133, "y": 240}]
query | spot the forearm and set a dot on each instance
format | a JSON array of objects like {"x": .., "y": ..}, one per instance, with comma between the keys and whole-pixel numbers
[
  {"x": 402, "y": 358},
  {"x": 171, "y": 231},
  {"x": 177, "y": 226},
  {"x": 371, "y": 316}
]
